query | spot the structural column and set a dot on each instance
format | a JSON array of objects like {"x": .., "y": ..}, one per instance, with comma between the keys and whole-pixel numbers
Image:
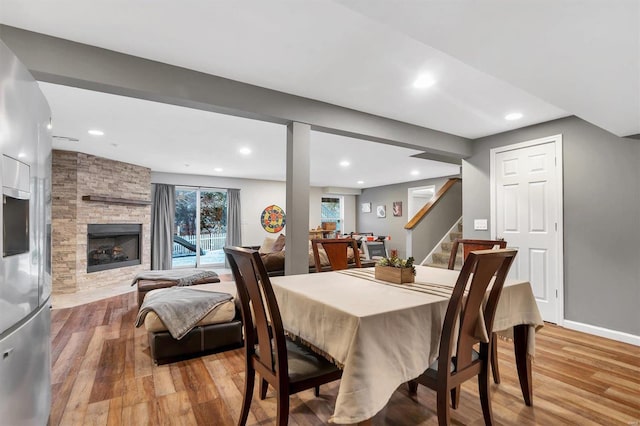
[{"x": 297, "y": 209}]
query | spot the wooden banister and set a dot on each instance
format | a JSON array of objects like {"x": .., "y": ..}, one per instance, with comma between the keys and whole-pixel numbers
[{"x": 427, "y": 207}]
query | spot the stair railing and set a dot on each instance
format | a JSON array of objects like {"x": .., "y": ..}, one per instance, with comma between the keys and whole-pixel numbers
[
  {"x": 427, "y": 207},
  {"x": 418, "y": 250}
]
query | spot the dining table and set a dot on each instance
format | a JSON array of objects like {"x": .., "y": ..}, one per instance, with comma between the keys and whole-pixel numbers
[{"x": 383, "y": 334}]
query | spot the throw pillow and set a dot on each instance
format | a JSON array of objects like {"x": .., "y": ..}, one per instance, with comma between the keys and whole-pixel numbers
[
  {"x": 267, "y": 245},
  {"x": 324, "y": 259},
  {"x": 278, "y": 245}
]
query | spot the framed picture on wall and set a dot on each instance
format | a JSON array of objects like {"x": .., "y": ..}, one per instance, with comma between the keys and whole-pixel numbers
[
  {"x": 381, "y": 211},
  {"x": 397, "y": 208},
  {"x": 365, "y": 207}
]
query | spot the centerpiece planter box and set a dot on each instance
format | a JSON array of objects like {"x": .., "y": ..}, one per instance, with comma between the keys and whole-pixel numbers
[{"x": 394, "y": 275}]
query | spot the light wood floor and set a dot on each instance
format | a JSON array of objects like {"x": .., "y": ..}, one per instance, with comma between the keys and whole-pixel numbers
[{"x": 103, "y": 375}]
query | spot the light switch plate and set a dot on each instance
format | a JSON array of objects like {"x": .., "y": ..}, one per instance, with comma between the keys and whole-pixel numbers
[{"x": 480, "y": 224}]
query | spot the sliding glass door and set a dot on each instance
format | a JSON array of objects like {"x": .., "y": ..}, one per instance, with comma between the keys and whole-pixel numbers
[
  {"x": 200, "y": 227},
  {"x": 213, "y": 225}
]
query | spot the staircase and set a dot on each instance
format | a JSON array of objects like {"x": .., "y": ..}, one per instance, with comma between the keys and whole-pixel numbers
[{"x": 440, "y": 258}]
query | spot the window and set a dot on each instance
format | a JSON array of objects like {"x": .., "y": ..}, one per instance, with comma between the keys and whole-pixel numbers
[
  {"x": 200, "y": 227},
  {"x": 331, "y": 214}
]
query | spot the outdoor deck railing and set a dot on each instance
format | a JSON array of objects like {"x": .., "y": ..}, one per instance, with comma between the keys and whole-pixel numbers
[{"x": 207, "y": 242}]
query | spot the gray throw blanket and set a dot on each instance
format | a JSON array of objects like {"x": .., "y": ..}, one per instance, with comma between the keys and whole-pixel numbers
[
  {"x": 182, "y": 277},
  {"x": 179, "y": 308}
]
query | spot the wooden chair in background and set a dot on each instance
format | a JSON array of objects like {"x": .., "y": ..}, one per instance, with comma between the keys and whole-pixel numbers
[
  {"x": 463, "y": 313},
  {"x": 284, "y": 364},
  {"x": 336, "y": 249},
  {"x": 470, "y": 245},
  {"x": 467, "y": 247}
]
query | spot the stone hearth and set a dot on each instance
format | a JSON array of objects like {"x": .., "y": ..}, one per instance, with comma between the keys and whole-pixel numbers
[{"x": 76, "y": 175}]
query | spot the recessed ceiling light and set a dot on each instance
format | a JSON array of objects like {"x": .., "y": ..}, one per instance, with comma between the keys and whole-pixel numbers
[
  {"x": 22, "y": 155},
  {"x": 115, "y": 145},
  {"x": 513, "y": 116},
  {"x": 96, "y": 132},
  {"x": 424, "y": 81},
  {"x": 345, "y": 163},
  {"x": 360, "y": 182},
  {"x": 415, "y": 172},
  {"x": 49, "y": 126},
  {"x": 186, "y": 165},
  {"x": 244, "y": 151},
  {"x": 217, "y": 169}
]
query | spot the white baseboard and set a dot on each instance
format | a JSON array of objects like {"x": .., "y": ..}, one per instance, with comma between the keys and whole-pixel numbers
[{"x": 602, "y": 332}]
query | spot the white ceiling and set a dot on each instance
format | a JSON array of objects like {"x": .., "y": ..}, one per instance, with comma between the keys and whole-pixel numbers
[
  {"x": 545, "y": 59},
  {"x": 174, "y": 139}
]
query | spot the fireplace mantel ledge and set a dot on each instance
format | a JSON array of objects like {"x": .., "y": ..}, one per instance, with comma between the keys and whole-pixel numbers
[{"x": 113, "y": 200}]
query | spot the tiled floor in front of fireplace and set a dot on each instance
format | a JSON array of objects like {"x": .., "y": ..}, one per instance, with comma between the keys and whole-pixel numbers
[{"x": 61, "y": 301}]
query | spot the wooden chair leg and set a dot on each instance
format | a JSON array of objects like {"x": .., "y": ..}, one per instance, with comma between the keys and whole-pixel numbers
[
  {"x": 494, "y": 358},
  {"x": 283, "y": 409},
  {"x": 248, "y": 396},
  {"x": 442, "y": 406},
  {"x": 413, "y": 387},
  {"x": 455, "y": 397},
  {"x": 264, "y": 385},
  {"x": 485, "y": 399}
]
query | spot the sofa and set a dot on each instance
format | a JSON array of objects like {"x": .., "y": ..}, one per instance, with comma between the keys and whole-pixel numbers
[{"x": 272, "y": 253}]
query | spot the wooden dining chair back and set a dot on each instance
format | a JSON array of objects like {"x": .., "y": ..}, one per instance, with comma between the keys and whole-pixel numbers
[
  {"x": 458, "y": 361},
  {"x": 467, "y": 247},
  {"x": 287, "y": 366},
  {"x": 471, "y": 245},
  {"x": 337, "y": 253}
]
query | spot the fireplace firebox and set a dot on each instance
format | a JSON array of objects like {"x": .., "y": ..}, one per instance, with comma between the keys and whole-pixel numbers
[{"x": 112, "y": 246}]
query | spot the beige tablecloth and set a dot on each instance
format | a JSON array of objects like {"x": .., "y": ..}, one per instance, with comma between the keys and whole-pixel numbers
[{"x": 383, "y": 335}]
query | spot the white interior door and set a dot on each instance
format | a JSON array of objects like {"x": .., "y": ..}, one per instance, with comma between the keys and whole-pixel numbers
[{"x": 527, "y": 212}]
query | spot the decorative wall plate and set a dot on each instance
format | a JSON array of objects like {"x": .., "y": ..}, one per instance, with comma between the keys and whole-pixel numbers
[{"x": 273, "y": 219}]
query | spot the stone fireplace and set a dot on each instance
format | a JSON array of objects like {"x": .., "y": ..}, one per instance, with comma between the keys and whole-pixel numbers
[{"x": 88, "y": 191}]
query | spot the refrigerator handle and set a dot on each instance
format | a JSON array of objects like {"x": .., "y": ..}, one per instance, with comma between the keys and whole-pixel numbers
[{"x": 6, "y": 353}]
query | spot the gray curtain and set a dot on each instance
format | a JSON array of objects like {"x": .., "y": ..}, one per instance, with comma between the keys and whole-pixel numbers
[
  {"x": 162, "y": 225},
  {"x": 234, "y": 237}
]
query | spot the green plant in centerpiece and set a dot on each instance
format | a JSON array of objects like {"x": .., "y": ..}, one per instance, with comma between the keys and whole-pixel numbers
[{"x": 396, "y": 262}]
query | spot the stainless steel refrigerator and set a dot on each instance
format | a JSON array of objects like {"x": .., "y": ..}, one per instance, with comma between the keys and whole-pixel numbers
[{"x": 25, "y": 266}]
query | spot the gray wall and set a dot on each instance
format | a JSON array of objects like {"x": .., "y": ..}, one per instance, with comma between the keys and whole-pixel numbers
[
  {"x": 601, "y": 218},
  {"x": 430, "y": 230},
  {"x": 392, "y": 226}
]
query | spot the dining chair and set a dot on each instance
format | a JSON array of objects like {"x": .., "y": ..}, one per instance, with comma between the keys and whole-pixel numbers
[
  {"x": 458, "y": 361},
  {"x": 288, "y": 366},
  {"x": 337, "y": 253},
  {"x": 467, "y": 247}
]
